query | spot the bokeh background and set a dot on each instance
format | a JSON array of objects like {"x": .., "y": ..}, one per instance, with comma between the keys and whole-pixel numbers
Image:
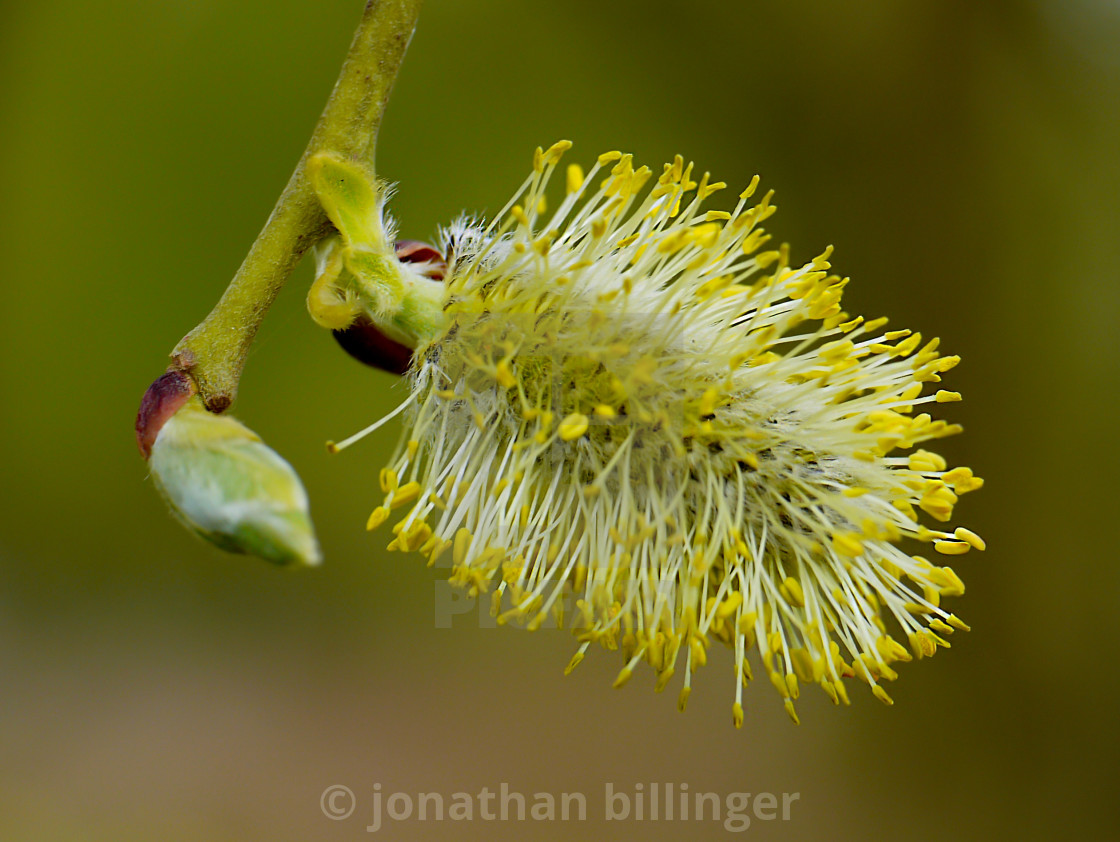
[{"x": 963, "y": 158}]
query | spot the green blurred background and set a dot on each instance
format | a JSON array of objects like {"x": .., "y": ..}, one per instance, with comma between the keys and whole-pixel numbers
[{"x": 962, "y": 157}]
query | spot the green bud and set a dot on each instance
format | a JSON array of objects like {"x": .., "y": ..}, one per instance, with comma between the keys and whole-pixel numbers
[
  {"x": 353, "y": 199},
  {"x": 361, "y": 273},
  {"x": 228, "y": 486}
]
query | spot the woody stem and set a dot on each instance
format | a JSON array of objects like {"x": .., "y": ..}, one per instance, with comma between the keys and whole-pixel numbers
[{"x": 213, "y": 354}]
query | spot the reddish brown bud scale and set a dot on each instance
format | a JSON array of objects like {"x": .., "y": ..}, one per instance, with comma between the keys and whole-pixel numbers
[
  {"x": 368, "y": 345},
  {"x": 162, "y": 400},
  {"x": 414, "y": 251},
  {"x": 364, "y": 342}
]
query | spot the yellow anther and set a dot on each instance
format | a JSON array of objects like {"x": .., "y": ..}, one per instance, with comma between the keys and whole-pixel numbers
[
  {"x": 415, "y": 536},
  {"x": 713, "y": 285},
  {"x": 908, "y": 346},
  {"x": 830, "y": 689},
  {"x": 697, "y": 651},
  {"x": 881, "y": 694},
  {"x": 847, "y": 544},
  {"x": 608, "y": 157},
  {"x": 673, "y": 242},
  {"x": 943, "y": 396},
  {"x": 707, "y": 190},
  {"x": 730, "y": 605},
  {"x": 605, "y": 411},
  {"x": 753, "y": 240},
  {"x": 749, "y": 191},
  {"x": 854, "y": 492},
  {"x": 763, "y": 359},
  {"x": 966, "y": 484},
  {"x": 837, "y": 350},
  {"x": 377, "y": 517},
  {"x": 737, "y": 715},
  {"x": 940, "y": 509},
  {"x": 956, "y": 475},
  {"x": 438, "y": 549},
  {"x": 780, "y": 685},
  {"x": 555, "y": 152},
  {"x": 462, "y": 545},
  {"x": 957, "y": 623},
  {"x": 937, "y": 625},
  {"x": 388, "y": 481},
  {"x": 944, "y": 644},
  {"x": 504, "y": 375},
  {"x": 405, "y": 494},
  {"x": 911, "y": 392},
  {"x": 518, "y": 213},
  {"x": 575, "y": 178},
  {"x": 708, "y": 402},
  {"x": 792, "y": 712},
  {"x": 970, "y": 537},
  {"x": 952, "y": 547},
  {"x": 891, "y": 649},
  {"x": 747, "y": 621},
  {"x": 925, "y": 461},
  {"x": 573, "y": 663},
  {"x": 821, "y": 260},
  {"x": 949, "y": 582},
  {"x": 802, "y": 664},
  {"x": 791, "y": 590},
  {"x": 921, "y": 644},
  {"x": 572, "y": 427},
  {"x": 682, "y": 700},
  {"x": 766, "y": 259},
  {"x": 936, "y": 488},
  {"x": 861, "y": 667}
]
